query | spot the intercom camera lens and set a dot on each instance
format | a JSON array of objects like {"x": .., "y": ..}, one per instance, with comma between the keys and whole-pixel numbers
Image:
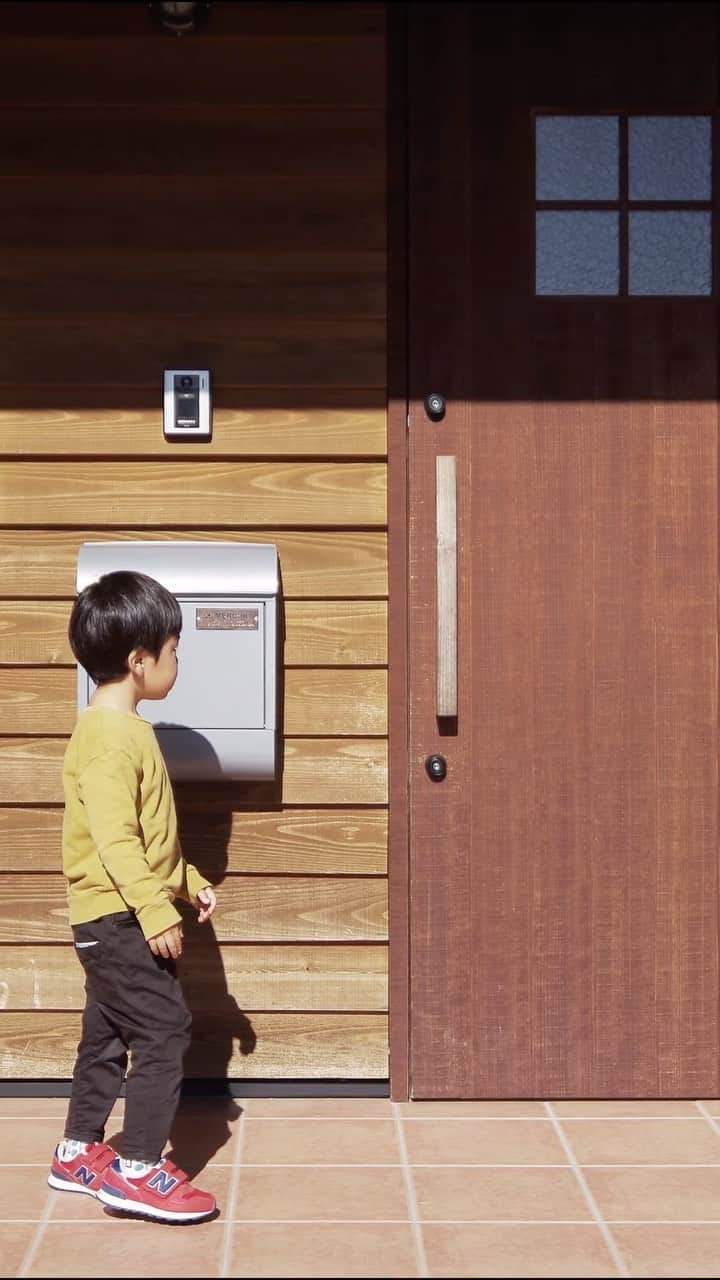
[{"x": 186, "y": 381}]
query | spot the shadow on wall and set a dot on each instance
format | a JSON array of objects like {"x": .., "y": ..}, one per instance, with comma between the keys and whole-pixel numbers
[
  {"x": 205, "y": 816},
  {"x": 204, "y": 827}
]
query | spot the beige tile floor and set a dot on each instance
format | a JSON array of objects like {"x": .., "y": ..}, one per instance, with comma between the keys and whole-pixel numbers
[{"x": 314, "y": 1187}]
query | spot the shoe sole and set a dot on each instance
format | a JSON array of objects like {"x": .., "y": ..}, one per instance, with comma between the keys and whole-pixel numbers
[
  {"x": 147, "y": 1210},
  {"x": 60, "y": 1184}
]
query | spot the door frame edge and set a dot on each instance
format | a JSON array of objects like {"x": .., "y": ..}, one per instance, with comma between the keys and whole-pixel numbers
[{"x": 397, "y": 524}]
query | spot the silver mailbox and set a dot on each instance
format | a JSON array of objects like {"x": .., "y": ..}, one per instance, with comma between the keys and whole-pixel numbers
[{"x": 219, "y": 719}]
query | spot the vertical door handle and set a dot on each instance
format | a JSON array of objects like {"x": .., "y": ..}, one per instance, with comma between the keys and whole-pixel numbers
[{"x": 446, "y": 515}]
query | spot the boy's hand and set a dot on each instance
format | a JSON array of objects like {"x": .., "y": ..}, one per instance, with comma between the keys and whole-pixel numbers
[
  {"x": 167, "y": 944},
  {"x": 207, "y": 903}
]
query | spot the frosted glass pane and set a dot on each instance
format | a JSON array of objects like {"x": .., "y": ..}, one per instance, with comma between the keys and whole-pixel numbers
[
  {"x": 577, "y": 253},
  {"x": 670, "y": 158},
  {"x": 576, "y": 158},
  {"x": 670, "y": 253}
]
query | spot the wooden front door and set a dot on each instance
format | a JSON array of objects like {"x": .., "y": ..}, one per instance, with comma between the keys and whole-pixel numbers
[{"x": 564, "y": 886}]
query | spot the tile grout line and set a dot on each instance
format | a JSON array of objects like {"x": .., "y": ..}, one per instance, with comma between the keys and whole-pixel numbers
[
  {"x": 597, "y": 1119},
  {"x": 232, "y": 1196},
  {"x": 588, "y": 1195},
  {"x": 419, "y": 1164},
  {"x": 441, "y": 1222},
  {"x": 33, "y": 1247},
  {"x": 415, "y": 1225}
]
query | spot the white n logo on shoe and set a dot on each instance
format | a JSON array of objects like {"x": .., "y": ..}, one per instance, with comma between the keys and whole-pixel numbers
[{"x": 162, "y": 1182}]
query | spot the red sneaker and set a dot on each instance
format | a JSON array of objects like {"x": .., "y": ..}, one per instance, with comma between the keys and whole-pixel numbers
[
  {"x": 164, "y": 1192},
  {"x": 85, "y": 1172}
]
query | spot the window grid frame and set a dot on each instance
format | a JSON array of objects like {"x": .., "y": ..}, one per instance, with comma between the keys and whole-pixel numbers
[{"x": 624, "y": 206}]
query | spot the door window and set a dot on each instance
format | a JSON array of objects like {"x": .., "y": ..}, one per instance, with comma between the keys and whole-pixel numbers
[{"x": 623, "y": 205}]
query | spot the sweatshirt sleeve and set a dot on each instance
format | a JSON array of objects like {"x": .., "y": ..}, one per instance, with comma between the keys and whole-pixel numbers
[
  {"x": 194, "y": 881},
  {"x": 109, "y": 788}
]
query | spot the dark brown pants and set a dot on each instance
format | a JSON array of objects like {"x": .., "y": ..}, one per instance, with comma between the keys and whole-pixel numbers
[{"x": 133, "y": 1003}]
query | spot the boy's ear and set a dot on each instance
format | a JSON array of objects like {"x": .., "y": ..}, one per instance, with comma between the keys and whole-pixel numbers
[{"x": 135, "y": 661}]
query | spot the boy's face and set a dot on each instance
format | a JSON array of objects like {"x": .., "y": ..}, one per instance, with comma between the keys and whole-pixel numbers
[{"x": 160, "y": 673}]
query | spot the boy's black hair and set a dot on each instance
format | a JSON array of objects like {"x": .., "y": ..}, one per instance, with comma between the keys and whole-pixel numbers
[{"x": 120, "y": 612}]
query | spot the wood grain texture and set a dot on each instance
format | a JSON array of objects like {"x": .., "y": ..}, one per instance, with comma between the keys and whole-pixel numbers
[
  {"x": 97, "y": 350},
  {"x": 314, "y": 71},
  {"x": 258, "y": 908},
  {"x": 220, "y": 493},
  {"x": 398, "y": 508},
  {"x": 126, "y": 421},
  {"x": 344, "y": 633},
  {"x": 348, "y": 702},
  {"x": 141, "y": 138},
  {"x": 352, "y": 632},
  {"x": 251, "y": 18},
  {"x": 273, "y": 1045},
  {"x": 219, "y": 838},
  {"x": 241, "y": 228},
  {"x": 330, "y": 563},
  {"x": 344, "y": 701},
  {"x": 293, "y": 977},
  {"x": 259, "y": 213},
  {"x": 315, "y": 771},
  {"x": 565, "y": 877}
]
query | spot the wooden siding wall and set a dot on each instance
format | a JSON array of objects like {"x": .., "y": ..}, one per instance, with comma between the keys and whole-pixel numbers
[{"x": 212, "y": 200}]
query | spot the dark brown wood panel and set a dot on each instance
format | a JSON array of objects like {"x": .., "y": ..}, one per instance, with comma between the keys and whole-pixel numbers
[
  {"x": 138, "y": 138},
  {"x": 301, "y": 353},
  {"x": 398, "y": 827},
  {"x": 564, "y": 884},
  {"x": 318, "y": 284},
  {"x": 120, "y": 20},
  {"x": 127, "y": 210},
  {"x": 307, "y": 71}
]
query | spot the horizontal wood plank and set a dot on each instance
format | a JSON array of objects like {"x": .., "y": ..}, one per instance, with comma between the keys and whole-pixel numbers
[
  {"x": 322, "y": 71},
  {"x": 134, "y": 428},
  {"x": 139, "y": 138},
  {"x": 302, "y": 976},
  {"x": 219, "y": 839},
  {"x": 288, "y": 285},
  {"x": 219, "y": 493},
  {"x": 344, "y": 701},
  {"x": 330, "y": 564},
  {"x": 274, "y": 352},
  {"x": 130, "y": 211},
  {"x": 349, "y": 632},
  {"x": 258, "y": 908},
  {"x": 344, "y": 633},
  {"x": 122, "y": 21},
  {"x": 41, "y": 1045},
  {"x": 315, "y": 771}
]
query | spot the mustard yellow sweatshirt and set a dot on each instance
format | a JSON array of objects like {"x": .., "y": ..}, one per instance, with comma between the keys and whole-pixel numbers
[{"x": 120, "y": 843}]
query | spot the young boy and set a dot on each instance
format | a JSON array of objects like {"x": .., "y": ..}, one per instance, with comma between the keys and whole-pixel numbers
[{"x": 124, "y": 867}]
